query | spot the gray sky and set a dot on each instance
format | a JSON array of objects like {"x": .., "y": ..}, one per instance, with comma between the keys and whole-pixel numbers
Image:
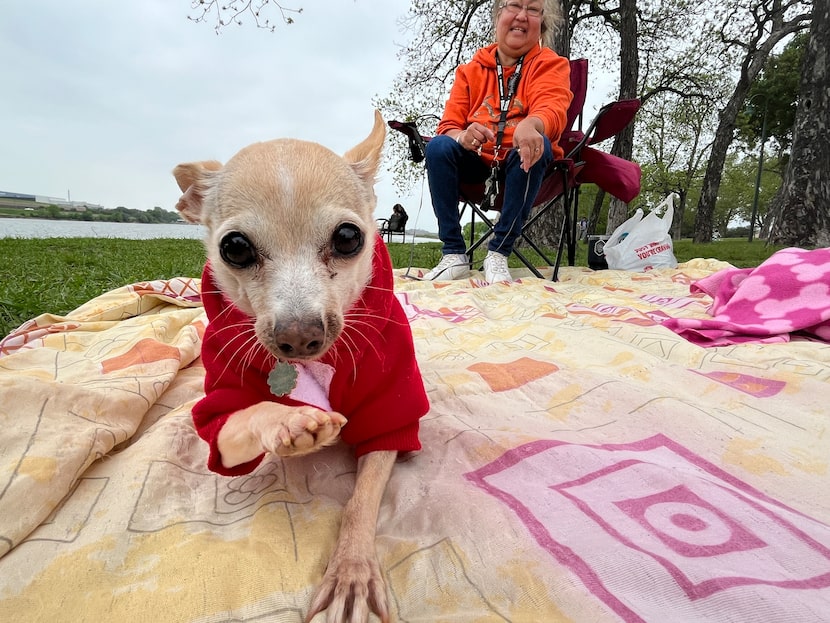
[{"x": 102, "y": 99}]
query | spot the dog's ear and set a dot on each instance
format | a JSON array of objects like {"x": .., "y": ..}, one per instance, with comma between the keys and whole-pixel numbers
[
  {"x": 192, "y": 180},
  {"x": 365, "y": 157}
]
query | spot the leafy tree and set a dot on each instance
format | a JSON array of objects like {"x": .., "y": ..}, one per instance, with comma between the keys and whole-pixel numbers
[
  {"x": 481, "y": 229},
  {"x": 629, "y": 35},
  {"x": 801, "y": 210},
  {"x": 446, "y": 33},
  {"x": 774, "y": 95},
  {"x": 737, "y": 191},
  {"x": 749, "y": 31},
  {"x": 673, "y": 141}
]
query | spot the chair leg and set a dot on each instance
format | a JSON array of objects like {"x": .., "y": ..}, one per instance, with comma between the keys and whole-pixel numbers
[
  {"x": 567, "y": 200},
  {"x": 572, "y": 238},
  {"x": 562, "y": 234},
  {"x": 473, "y": 244},
  {"x": 527, "y": 262},
  {"x": 516, "y": 252}
]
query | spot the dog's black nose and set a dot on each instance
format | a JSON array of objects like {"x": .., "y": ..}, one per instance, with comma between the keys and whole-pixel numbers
[{"x": 300, "y": 338}]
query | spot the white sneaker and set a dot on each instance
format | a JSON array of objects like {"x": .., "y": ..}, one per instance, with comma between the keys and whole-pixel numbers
[
  {"x": 451, "y": 266},
  {"x": 495, "y": 268}
]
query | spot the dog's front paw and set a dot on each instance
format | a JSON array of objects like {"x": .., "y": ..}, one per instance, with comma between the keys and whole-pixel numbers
[
  {"x": 350, "y": 590},
  {"x": 301, "y": 430}
]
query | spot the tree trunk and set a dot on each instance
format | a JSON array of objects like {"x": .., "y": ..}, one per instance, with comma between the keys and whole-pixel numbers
[
  {"x": 679, "y": 212},
  {"x": 800, "y": 212},
  {"x": 596, "y": 210},
  {"x": 546, "y": 230},
  {"x": 629, "y": 76},
  {"x": 714, "y": 169}
]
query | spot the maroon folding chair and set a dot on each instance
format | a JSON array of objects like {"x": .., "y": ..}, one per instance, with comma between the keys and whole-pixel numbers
[
  {"x": 581, "y": 163},
  {"x": 585, "y": 164}
]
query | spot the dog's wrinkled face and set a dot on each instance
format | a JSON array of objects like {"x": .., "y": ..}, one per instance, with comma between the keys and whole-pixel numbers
[{"x": 290, "y": 235}]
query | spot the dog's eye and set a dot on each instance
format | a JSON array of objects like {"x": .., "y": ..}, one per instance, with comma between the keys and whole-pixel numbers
[
  {"x": 237, "y": 250},
  {"x": 347, "y": 240}
]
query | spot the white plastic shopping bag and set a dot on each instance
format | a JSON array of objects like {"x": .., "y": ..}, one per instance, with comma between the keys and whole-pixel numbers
[{"x": 643, "y": 242}]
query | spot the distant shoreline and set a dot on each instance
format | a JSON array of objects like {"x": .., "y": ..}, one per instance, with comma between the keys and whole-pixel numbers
[{"x": 92, "y": 220}]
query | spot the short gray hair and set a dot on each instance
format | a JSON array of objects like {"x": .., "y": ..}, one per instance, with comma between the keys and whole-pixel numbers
[{"x": 551, "y": 18}]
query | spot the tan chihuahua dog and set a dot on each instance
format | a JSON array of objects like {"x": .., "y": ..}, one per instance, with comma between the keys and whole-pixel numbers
[{"x": 306, "y": 342}]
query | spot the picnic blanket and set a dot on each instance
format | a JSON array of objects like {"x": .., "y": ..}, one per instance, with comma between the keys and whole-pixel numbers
[{"x": 582, "y": 462}]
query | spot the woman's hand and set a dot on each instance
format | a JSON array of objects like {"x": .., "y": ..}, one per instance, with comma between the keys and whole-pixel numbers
[
  {"x": 529, "y": 141},
  {"x": 474, "y": 136}
]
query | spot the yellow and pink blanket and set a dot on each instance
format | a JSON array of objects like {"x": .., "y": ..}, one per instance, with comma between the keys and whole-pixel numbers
[{"x": 582, "y": 462}]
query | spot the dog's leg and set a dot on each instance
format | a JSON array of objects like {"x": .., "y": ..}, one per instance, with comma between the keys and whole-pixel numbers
[
  {"x": 353, "y": 583},
  {"x": 276, "y": 428}
]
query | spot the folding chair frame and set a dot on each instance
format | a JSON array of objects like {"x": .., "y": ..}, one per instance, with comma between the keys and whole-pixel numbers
[
  {"x": 558, "y": 167},
  {"x": 562, "y": 178}
]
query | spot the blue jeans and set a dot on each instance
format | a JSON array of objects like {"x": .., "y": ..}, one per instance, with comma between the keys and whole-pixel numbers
[{"x": 448, "y": 164}]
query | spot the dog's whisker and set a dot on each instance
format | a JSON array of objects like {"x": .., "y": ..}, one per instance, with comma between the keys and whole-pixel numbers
[
  {"x": 365, "y": 339},
  {"x": 350, "y": 348},
  {"x": 237, "y": 336},
  {"x": 360, "y": 327},
  {"x": 366, "y": 314},
  {"x": 359, "y": 321},
  {"x": 242, "y": 347}
]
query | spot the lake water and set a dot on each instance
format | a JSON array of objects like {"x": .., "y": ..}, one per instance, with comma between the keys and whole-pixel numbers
[{"x": 44, "y": 228}]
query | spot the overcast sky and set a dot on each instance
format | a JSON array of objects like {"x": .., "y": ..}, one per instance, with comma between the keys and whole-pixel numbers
[{"x": 101, "y": 99}]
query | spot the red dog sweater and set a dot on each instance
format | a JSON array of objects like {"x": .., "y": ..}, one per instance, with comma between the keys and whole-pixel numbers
[{"x": 370, "y": 374}]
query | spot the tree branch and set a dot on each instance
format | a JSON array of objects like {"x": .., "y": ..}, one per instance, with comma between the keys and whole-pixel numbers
[{"x": 225, "y": 12}]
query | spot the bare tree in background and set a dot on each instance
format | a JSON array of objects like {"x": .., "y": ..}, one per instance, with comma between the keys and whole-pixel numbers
[
  {"x": 225, "y": 12},
  {"x": 672, "y": 143},
  {"x": 800, "y": 212}
]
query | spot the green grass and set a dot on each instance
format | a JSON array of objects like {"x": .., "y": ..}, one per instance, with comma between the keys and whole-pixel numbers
[
  {"x": 736, "y": 251},
  {"x": 56, "y": 275}
]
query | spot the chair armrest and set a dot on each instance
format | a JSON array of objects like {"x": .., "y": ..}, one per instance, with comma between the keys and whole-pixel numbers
[{"x": 417, "y": 143}]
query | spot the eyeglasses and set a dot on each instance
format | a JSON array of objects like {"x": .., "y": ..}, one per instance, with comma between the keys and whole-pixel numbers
[{"x": 514, "y": 8}]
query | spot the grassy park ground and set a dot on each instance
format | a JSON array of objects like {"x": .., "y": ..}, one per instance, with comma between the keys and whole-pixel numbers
[{"x": 56, "y": 275}]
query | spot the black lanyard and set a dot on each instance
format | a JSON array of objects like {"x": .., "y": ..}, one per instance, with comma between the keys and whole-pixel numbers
[{"x": 505, "y": 98}]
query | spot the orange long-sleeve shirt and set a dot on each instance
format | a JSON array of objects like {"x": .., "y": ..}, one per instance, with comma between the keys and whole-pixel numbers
[{"x": 544, "y": 92}]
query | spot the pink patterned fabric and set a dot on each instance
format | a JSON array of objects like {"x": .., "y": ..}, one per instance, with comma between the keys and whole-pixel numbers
[{"x": 788, "y": 293}]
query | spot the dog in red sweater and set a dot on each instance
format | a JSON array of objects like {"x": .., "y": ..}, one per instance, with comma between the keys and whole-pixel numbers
[{"x": 306, "y": 343}]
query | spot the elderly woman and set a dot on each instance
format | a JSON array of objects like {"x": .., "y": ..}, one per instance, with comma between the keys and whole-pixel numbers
[{"x": 506, "y": 111}]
